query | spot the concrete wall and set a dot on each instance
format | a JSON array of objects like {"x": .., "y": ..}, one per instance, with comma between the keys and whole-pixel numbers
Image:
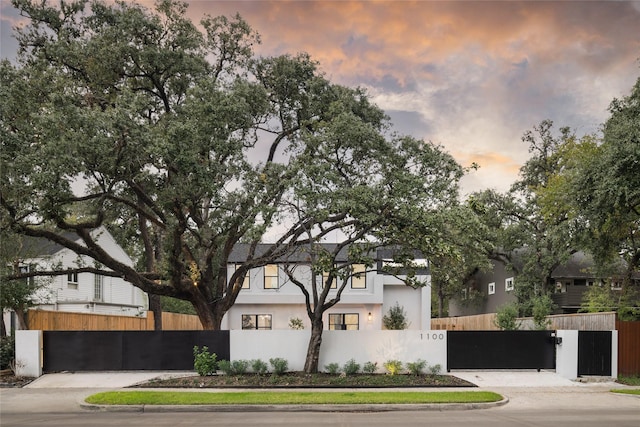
[
  {"x": 29, "y": 353},
  {"x": 341, "y": 346}
]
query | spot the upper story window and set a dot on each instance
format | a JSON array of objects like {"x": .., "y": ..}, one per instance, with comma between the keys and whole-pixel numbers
[
  {"x": 246, "y": 284},
  {"x": 271, "y": 276},
  {"x": 325, "y": 277},
  {"x": 492, "y": 288},
  {"x": 359, "y": 277},
  {"x": 344, "y": 322},
  {"x": 508, "y": 284},
  {"x": 72, "y": 280},
  {"x": 97, "y": 287},
  {"x": 256, "y": 321}
]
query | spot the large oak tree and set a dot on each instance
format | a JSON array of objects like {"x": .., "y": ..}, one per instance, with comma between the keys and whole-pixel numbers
[{"x": 189, "y": 144}]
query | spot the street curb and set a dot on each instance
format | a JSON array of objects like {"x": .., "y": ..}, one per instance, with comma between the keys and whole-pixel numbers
[{"x": 293, "y": 408}]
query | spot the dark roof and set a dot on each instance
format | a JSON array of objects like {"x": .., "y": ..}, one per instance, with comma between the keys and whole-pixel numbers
[
  {"x": 39, "y": 246},
  {"x": 240, "y": 253}
]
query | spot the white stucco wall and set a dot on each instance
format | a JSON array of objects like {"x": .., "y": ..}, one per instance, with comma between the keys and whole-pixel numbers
[{"x": 341, "y": 346}]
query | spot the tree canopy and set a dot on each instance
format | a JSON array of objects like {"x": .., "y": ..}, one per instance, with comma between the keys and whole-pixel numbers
[{"x": 188, "y": 144}]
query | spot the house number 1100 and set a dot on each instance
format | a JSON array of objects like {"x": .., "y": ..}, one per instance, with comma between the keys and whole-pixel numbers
[{"x": 434, "y": 337}]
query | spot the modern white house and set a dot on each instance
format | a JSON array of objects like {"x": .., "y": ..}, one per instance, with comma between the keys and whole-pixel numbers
[
  {"x": 269, "y": 300},
  {"x": 81, "y": 292}
]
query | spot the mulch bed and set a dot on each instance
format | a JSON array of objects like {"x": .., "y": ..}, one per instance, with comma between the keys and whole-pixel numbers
[
  {"x": 301, "y": 380},
  {"x": 8, "y": 380}
]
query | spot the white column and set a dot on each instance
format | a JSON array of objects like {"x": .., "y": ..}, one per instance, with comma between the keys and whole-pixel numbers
[
  {"x": 567, "y": 354},
  {"x": 29, "y": 353}
]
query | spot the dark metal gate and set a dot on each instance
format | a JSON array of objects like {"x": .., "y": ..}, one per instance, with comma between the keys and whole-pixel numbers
[
  {"x": 128, "y": 350},
  {"x": 501, "y": 350},
  {"x": 594, "y": 353}
]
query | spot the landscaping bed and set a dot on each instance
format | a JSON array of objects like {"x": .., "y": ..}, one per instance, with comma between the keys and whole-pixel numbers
[{"x": 302, "y": 380}]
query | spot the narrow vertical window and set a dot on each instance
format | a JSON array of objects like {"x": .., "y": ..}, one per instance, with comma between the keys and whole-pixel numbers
[
  {"x": 359, "y": 278},
  {"x": 271, "y": 276},
  {"x": 97, "y": 287},
  {"x": 72, "y": 280}
]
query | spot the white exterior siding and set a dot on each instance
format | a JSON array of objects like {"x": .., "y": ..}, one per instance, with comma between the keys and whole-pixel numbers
[
  {"x": 117, "y": 296},
  {"x": 287, "y": 301}
]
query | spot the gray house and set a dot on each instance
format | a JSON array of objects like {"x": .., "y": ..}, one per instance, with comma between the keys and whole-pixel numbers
[{"x": 487, "y": 291}]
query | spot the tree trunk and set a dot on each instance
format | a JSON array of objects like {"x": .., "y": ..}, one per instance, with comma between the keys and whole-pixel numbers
[
  {"x": 155, "y": 306},
  {"x": 210, "y": 315},
  {"x": 22, "y": 319},
  {"x": 440, "y": 302},
  {"x": 3, "y": 327},
  {"x": 313, "y": 350}
]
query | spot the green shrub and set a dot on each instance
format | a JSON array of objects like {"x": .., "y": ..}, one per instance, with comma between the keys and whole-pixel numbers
[
  {"x": 351, "y": 367},
  {"x": 204, "y": 363},
  {"x": 225, "y": 367},
  {"x": 259, "y": 367},
  {"x": 396, "y": 318},
  {"x": 416, "y": 368},
  {"x": 240, "y": 367},
  {"x": 332, "y": 368},
  {"x": 370, "y": 367},
  {"x": 506, "y": 317},
  {"x": 435, "y": 369},
  {"x": 393, "y": 367},
  {"x": 7, "y": 351},
  {"x": 280, "y": 365}
]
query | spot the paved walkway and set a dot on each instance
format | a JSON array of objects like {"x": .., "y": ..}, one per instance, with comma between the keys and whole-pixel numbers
[{"x": 65, "y": 392}]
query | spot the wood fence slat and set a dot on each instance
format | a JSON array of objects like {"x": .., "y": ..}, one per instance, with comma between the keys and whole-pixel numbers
[{"x": 67, "y": 321}]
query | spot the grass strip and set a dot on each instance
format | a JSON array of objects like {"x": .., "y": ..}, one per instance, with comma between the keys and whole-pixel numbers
[
  {"x": 287, "y": 398},
  {"x": 627, "y": 391}
]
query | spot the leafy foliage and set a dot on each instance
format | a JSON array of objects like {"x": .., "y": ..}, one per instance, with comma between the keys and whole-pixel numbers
[
  {"x": 351, "y": 367},
  {"x": 370, "y": 367},
  {"x": 259, "y": 367},
  {"x": 396, "y": 318},
  {"x": 542, "y": 307},
  {"x": 7, "y": 351},
  {"x": 332, "y": 368},
  {"x": 506, "y": 317},
  {"x": 417, "y": 367},
  {"x": 204, "y": 362},
  {"x": 280, "y": 365},
  {"x": 393, "y": 367}
]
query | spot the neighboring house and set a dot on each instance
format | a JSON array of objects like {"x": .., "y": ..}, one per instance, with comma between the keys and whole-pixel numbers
[
  {"x": 269, "y": 300},
  {"x": 487, "y": 291},
  {"x": 82, "y": 292}
]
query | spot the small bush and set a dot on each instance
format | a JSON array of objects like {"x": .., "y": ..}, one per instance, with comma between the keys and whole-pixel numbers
[
  {"x": 351, "y": 367},
  {"x": 204, "y": 363},
  {"x": 259, "y": 367},
  {"x": 7, "y": 351},
  {"x": 332, "y": 368},
  {"x": 280, "y": 365},
  {"x": 393, "y": 367},
  {"x": 225, "y": 367},
  {"x": 240, "y": 367},
  {"x": 435, "y": 369},
  {"x": 370, "y": 367},
  {"x": 416, "y": 368}
]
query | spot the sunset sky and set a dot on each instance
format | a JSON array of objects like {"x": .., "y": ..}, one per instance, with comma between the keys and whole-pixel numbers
[{"x": 471, "y": 76}]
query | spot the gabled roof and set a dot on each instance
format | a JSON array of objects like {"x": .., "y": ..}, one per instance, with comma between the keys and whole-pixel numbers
[{"x": 34, "y": 247}]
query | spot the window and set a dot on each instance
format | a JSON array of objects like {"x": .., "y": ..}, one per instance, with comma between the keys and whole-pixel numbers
[
  {"x": 72, "y": 280},
  {"x": 256, "y": 321},
  {"x": 325, "y": 277},
  {"x": 359, "y": 278},
  {"x": 464, "y": 293},
  {"x": 344, "y": 322},
  {"x": 29, "y": 281},
  {"x": 508, "y": 284},
  {"x": 97, "y": 287},
  {"x": 271, "y": 276},
  {"x": 245, "y": 283},
  {"x": 492, "y": 288}
]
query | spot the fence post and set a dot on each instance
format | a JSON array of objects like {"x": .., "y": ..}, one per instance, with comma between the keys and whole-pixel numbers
[
  {"x": 567, "y": 354},
  {"x": 28, "y": 353}
]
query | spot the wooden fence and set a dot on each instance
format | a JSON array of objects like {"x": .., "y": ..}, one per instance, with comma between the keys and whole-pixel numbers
[
  {"x": 479, "y": 322},
  {"x": 65, "y": 321},
  {"x": 485, "y": 322},
  {"x": 628, "y": 348}
]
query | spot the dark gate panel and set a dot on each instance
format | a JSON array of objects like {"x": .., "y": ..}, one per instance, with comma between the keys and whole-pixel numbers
[
  {"x": 594, "y": 353},
  {"x": 501, "y": 350},
  {"x": 128, "y": 350}
]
